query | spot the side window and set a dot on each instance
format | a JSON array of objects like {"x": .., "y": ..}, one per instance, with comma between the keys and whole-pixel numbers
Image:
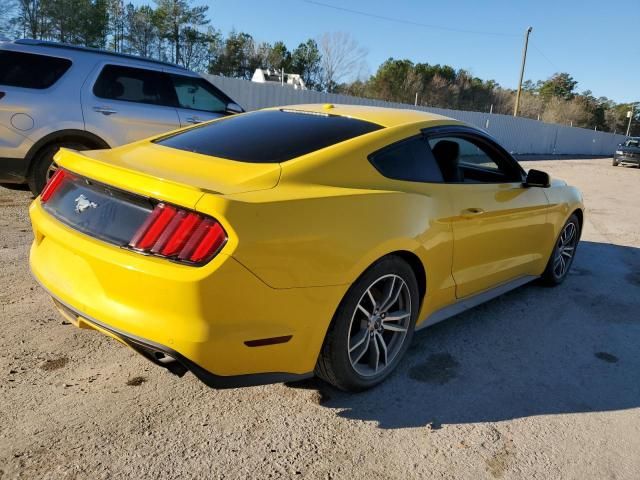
[
  {"x": 28, "y": 70},
  {"x": 469, "y": 161},
  {"x": 409, "y": 160},
  {"x": 133, "y": 85},
  {"x": 197, "y": 94}
]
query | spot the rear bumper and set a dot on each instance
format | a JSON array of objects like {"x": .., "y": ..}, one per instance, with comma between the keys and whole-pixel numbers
[
  {"x": 13, "y": 170},
  {"x": 200, "y": 316},
  {"x": 173, "y": 361}
]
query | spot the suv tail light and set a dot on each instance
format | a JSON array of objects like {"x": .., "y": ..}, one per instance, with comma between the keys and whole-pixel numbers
[
  {"x": 180, "y": 235},
  {"x": 135, "y": 222}
]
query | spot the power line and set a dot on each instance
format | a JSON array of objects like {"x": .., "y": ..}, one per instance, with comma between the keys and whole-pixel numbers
[
  {"x": 545, "y": 57},
  {"x": 407, "y": 22}
]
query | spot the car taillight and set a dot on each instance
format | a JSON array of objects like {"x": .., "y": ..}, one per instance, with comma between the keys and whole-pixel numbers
[
  {"x": 179, "y": 235},
  {"x": 53, "y": 184}
]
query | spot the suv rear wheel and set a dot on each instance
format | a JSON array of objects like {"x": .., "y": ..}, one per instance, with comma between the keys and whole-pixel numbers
[{"x": 43, "y": 165}]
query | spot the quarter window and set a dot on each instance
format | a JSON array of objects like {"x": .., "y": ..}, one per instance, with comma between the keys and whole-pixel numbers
[
  {"x": 197, "y": 94},
  {"x": 28, "y": 70},
  {"x": 134, "y": 85},
  {"x": 409, "y": 160}
]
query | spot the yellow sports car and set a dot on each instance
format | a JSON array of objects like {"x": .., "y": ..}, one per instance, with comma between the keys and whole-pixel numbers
[{"x": 272, "y": 245}]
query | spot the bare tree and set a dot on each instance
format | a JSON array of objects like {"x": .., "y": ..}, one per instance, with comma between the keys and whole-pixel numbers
[
  {"x": 6, "y": 16},
  {"x": 32, "y": 18},
  {"x": 342, "y": 58}
]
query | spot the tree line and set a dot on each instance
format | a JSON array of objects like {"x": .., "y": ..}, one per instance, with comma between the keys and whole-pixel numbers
[
  {"x": 555, "y": 100},
  {"x": 181, "y": 32}
]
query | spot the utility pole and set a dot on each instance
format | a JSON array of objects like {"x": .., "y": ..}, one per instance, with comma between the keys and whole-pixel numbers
[
  {"x": 630, "y": 118},
  {"x": 524, "y": 60}
]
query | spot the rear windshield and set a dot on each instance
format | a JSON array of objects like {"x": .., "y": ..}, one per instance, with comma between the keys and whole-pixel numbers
[
  {"x": 270, "y": 136},
  {"x": 28, "y": 70}
]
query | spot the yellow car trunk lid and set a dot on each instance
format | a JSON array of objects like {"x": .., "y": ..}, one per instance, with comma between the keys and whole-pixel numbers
[{"x": 172, "y": 175}]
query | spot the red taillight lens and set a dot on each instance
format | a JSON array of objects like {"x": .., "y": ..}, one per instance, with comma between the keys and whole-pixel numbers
[
  {"x": 179, "y": 234},
  {"x": 150, "y": 231},
  {"x": 52, "y": 185}
]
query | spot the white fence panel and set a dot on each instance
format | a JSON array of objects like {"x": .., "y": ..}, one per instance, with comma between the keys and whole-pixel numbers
[{"x": 516, "y": 134}]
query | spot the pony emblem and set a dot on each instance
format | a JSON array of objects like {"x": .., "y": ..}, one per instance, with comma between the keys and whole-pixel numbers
[{"x": 83, "y": 203}]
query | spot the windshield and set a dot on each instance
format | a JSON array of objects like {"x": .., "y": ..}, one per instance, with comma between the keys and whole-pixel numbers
[{"x": 632, "y": 142}]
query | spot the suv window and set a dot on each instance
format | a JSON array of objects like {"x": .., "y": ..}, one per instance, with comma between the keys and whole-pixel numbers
[
  {"x": 268, "y": 136},
  {"x": 409, "y": 160},
  {"x": 198, "y": 94},
  {"x": 134, "y": 85},
  {"x": 28, "y": 70}
]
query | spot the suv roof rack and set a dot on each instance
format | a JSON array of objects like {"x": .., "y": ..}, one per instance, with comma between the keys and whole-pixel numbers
[{"x": 67, "y": 46}]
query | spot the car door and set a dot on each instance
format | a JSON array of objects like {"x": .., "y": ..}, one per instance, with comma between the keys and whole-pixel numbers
[
  {"x": 413, "y": 170},
  {"x": 123, "y": 103},
  {"x": 498, "y": 223},
  {"x": 197, "y": 99}
]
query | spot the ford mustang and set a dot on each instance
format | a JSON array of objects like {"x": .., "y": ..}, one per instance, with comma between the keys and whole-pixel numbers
[{"x": 282, "y": 243}]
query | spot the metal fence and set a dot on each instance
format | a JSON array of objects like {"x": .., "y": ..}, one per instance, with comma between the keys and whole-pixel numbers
[{"x": 519, "y": 135}]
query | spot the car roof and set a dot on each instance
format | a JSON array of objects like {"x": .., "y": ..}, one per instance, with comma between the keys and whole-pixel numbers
[
  {"x": 94, "y": 51},
  {"x": 386, "y": 117}
]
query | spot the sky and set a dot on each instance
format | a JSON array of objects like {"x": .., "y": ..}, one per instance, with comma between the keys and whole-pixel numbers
[{"x": 595, "y": 41}]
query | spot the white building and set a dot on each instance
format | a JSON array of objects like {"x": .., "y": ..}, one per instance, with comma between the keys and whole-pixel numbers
[{"x": 278, "y": 77}]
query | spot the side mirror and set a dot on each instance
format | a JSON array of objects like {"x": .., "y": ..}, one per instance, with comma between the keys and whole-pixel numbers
[
  {"x": 536, "y": 178},
  {"x": 233, "y": 107}
]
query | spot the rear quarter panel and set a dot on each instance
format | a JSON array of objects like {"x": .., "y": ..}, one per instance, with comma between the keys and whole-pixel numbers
[{"x": 333, "y": 215}]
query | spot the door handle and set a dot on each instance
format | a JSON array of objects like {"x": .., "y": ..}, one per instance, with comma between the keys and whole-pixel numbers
[
  {"x": 105, "y": 110},
  {"x": 193, "y": 120},
  {"x": 471, "y": 212}
]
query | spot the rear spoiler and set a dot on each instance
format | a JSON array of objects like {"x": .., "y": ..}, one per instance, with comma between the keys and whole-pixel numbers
[{"x": 128, "y": 180}]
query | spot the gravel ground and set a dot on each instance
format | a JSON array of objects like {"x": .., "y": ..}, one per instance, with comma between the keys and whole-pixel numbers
[{"x": 539, "y": 383}]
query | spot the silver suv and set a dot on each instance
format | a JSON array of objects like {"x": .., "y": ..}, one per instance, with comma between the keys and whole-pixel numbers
[{"x": 54, "y": 95}]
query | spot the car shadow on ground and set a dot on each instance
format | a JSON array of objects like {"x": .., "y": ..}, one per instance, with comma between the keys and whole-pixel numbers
[{"x": 534, "y": 351}]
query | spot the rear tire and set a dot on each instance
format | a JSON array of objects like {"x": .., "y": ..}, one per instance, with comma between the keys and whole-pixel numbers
[
  {"x": 563, "y": 253},
  {"x": 372, "y": 327},
  {"x": 43, "y": 165}
]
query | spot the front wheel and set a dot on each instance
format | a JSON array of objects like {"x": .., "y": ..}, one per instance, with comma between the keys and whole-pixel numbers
[
  {"x": 563, "y": 252},
  {"x": 372, "y": 327},
  {"x": 615, "y": 163}
]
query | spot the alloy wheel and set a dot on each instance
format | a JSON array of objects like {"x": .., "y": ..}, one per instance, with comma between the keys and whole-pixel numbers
[
  {"x": 379, "y": 325},
  {"x": 51, "y": 171},
  {"x": 565, "y": 249}
]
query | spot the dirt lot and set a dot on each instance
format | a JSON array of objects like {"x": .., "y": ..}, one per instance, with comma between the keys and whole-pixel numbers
[{"x": 539, "y": 383}]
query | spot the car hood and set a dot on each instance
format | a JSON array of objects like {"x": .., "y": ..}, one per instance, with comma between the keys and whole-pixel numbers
[{"x": 628, "y": 149}]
